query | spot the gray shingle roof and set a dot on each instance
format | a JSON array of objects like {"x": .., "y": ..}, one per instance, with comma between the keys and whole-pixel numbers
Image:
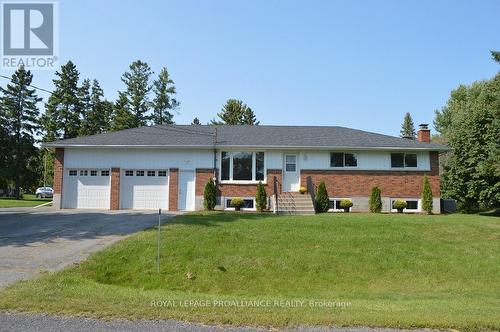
[{"x": 249, "y": 136}]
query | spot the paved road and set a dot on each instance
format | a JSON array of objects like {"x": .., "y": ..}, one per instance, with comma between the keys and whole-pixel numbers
[
  {"x": 47, "y": 323},
  {"x": 42, "y": 239}
]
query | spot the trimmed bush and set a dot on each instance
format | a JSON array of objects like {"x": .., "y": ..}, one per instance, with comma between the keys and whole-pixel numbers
[
  {"x": 261, "y": 197},
  {"x": 427, "y": 196},
  {"x": 399, "y": 205},
  {"x": 375, "y": 200},
  {"x": 237, "y": 203},
  {"x": 346, "y": 204},
  {"x": 322, "y": 201},
  {"x": 209, "y": 195},
  {"x": 302, "y": 190}
]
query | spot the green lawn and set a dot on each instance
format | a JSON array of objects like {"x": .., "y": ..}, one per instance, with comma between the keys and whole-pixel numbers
[
  {"x": 26, "y": 201},
  {"x": 349, "y": 269}
]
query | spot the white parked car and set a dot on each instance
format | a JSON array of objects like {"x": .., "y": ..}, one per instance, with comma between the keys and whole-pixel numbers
[{"x": 44, "y": 192}]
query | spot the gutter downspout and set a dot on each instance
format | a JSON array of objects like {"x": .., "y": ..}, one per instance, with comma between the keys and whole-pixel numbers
[{"x": 215, "y": 157}]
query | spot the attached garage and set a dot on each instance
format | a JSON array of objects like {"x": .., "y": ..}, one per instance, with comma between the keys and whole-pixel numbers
[
  {"x": 144, "y": 189},
  {"x": 87, "y": 189}
]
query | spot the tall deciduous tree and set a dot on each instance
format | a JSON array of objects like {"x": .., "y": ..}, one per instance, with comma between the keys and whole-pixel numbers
[
  {"x": 163, "y": 102},
  {"x": 21, "y": 120},
  {"x": 235, "y": 112},
  {"x": 137, "y": 92},
  {"x": 63, "y": 108},
  {"x": 470, "y": 124},
  {"x": 408, "y": 128}
]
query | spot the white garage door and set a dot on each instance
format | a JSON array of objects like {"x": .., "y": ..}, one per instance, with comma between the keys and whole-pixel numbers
[
  {"x": 144, "y": 189},
  {"x": 86, "y": 189}
]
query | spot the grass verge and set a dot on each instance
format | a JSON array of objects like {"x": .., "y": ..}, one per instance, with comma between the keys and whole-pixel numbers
[
  {"x": 26, "y": 201},
  {"x": 256, "y": 269}
]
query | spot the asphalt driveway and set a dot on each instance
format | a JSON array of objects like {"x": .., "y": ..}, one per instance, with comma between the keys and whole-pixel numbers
[{"x": 43, "y": 239}]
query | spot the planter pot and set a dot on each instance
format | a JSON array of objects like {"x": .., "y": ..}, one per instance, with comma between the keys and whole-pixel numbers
[
  {"x": 347, "y": 210},
  {"x": 237, "y": 208}
]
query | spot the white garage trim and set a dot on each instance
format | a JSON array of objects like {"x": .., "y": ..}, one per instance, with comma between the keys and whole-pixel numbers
[
  {"x": 86, "y": 188},
  {"x": 187, "y": 187},
  {"x": 144, "y": 189}
]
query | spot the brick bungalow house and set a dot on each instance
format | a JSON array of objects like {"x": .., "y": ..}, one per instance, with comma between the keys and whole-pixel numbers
[{"x": 168, "y": 166}]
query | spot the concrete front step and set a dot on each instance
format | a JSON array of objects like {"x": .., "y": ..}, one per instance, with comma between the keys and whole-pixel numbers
[
  {"x": 295, "y": 200},
  {"x": 296, "y": 212},
  {"x": 295, "y": 206},
  {"x": 295, "y": 203}
]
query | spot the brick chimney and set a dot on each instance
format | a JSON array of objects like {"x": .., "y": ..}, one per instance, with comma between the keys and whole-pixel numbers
[{"x": 424, "y": 133}]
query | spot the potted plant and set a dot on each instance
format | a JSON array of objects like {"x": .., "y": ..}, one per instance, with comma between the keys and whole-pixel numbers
[
  {"x": 399, "y": 205},
  {"x": 302, "y": 190},
  {"x": 346, "y": 204},
  {"x": 237, "y": 203}
]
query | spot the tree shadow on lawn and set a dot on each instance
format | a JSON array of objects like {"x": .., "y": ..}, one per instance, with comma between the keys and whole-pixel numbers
[{"x": 214, "y": 219}]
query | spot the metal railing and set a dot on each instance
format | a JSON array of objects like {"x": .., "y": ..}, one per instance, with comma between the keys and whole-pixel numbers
[{"x": 311, "y": 189}]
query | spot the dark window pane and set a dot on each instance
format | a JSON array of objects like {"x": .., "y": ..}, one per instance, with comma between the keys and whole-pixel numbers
[
  {"x": 412, "y": 205},
  {"x": 242, "y": 166},
  {"x": 291, "y": 163},
  {"x": 397, "y": 159},
  {"x": 228, "y": 203},
  {"x": 337, "y": 204},
  {"x": 336, "y": 159},
  {"x": 350, "y": 160},
  {"x": 331, "y": 205},
  {"x": 248, "y": 203},
  {"x": 225, "y": 166},
  {"x": 259, "y": 166},
  {"x": 411, "y": 160}
]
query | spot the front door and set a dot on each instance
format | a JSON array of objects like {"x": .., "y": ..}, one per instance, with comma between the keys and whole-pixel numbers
[
  {"x": 291, "y": 175},
  {"x": 186, "y": 191}
]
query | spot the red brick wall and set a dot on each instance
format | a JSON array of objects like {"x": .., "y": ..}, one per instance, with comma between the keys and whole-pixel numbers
[
  {"x": 115, "y": 189},
  {"x": 58, "y": 170},
  {"x": 173, "y": 193},
  {"x": 391, "y": 183},
  {"x": 203, "y": 175}
]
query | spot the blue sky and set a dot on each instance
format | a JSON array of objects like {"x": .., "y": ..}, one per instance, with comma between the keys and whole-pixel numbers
[{"x": 359, "y": 64}]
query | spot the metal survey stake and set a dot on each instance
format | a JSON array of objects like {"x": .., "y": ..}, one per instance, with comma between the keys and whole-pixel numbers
[{"x": 158, "y": 258}]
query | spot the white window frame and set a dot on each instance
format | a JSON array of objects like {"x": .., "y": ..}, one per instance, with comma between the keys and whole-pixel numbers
[
  {"x": 254, "y": 167},
  {"x": 106, "y": 171},
  {"x": 73, "y": 170},
  {"x": 343, "y": 160},
  {"x": 419, "y": 204},
  {"x": 242, "y": 209},
  {"x": 337, "y": 199}
]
